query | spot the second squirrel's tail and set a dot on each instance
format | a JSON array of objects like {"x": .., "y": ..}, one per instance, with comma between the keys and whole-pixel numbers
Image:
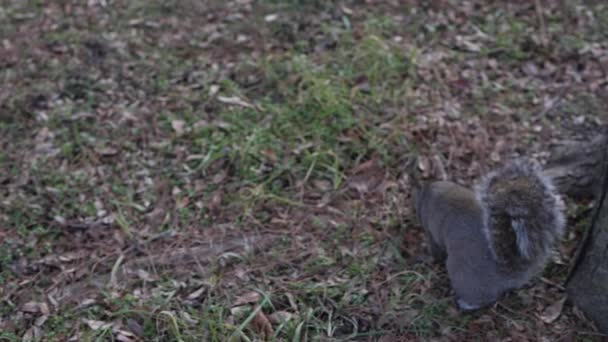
[{"x": 522, "y": 213}]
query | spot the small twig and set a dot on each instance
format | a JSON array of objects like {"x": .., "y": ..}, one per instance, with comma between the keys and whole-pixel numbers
[
  {"x": 541, "y": 21},
  {"x": 513, "y": 312},
  {"x": 552, "y": 283},
  {"x": 113, "y": 275},
  {"x": 393, "y": 276}
]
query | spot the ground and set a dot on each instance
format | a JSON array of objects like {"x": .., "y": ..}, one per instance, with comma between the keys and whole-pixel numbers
[{"x": 214, "y": 170}]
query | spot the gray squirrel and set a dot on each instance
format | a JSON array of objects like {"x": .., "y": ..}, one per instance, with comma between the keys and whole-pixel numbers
[{"x": 495, "y": 238}]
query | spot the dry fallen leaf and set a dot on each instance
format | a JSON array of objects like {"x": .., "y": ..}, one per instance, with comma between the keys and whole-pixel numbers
[
  {"x": 145, "y": 275},
  {"x": 106, "y": 151},
  {"x": 247, "y": 298},
  {"x": 233, "y": 100},
  {"x": 213, "y": 89},
  {"x": 86, "y": 302},
  {"x": 322, "y": 184},
  {"x": 31, "y": 307},
  {"x": 178, "y": 126},
  {"x": 553, "y": 311},
  {"x": 367, "y": 177},
  {"x": 125, "y": 336},
  {"x": 466, "y": 43},
  {"x": 196, "y": 294},
  {"x": 262, "y": 325},
  {"x": 44, "y": 309},
  {"x": 280, "y": 317},
  {"x": 219, "y": 177},
  {"x": 32, "y": 334},
  {"x": 271, "y": 17},
  {"x": 238, "y": 312},
  {"x": 96, "y": 325},
  {"x": 41, "y": 320},
  {"x": 214, "y": 205}
]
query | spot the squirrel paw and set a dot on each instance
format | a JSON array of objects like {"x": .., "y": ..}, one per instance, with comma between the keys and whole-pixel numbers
[{"x": 464, "y": 306}]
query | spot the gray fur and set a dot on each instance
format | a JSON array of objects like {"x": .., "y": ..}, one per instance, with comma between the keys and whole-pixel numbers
[
  {"x": 496, "y": 238},
  {"x": 535, "y": 235}
]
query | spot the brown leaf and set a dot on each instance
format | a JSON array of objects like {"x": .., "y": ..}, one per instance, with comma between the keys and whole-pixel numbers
[
  {"x": 322, "y": 184},
  {"x": 280, "y": 317},
  {"x": 270, "y": 155},
  {"x": 247, "y": 298},
  {"x": 31, "y": 307},
  {"x": 41, "y": 320},
  {"x": 365, "y": 167},
  {"x": 197, "y": 293},
  {"x": 238, "y": 312},
  {"x": 32, "y": 334},
  {"x": 71, "y": 256},
  {"x": 182, "y": 202},
  {"x": 214, "y": 205},
  {"x": 178, "y": 126},
  {"x": 553, "y": 311},
  {"x": 145, "y": 276},
  {"x": 44, "y": 309},
  {"x": 96, "y": 325},
  {"x": 125, "y": 336},
  {"x": 219, "y": 177},
  {"x": 262, "y": 325},
  {"x": 106, "y": 151},
  {"x": 367, "y": 177}
]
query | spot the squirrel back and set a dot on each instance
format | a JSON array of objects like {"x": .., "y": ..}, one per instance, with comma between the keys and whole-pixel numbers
[{"x": 522, "y": 214}]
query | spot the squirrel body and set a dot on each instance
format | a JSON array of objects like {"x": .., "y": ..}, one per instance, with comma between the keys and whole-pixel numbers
[{"x": 495, "y": 238}]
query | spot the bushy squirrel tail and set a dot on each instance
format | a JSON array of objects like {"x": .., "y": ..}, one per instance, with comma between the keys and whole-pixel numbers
[{"x": 522, "y": 213}]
